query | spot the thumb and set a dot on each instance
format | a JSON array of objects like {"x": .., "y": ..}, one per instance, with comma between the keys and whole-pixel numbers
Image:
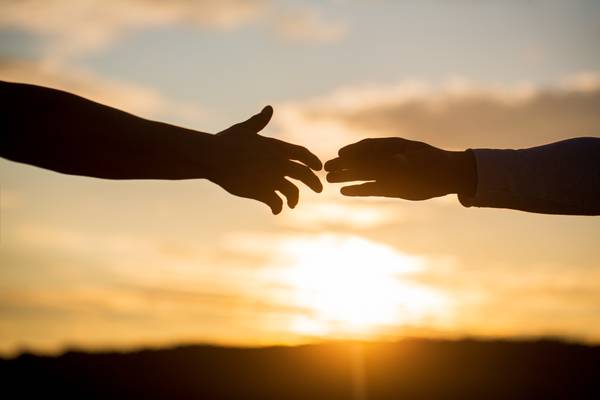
[
  {"x": 365, "y": 189},
  {"x": 257, "y": 122}
]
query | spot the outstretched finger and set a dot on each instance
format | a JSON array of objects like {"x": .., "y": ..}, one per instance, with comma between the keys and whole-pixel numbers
[
  {"x": 272, "y": 200},
  {"x": 349, "y": 175},
  {"x": 257, "y": 122},
  {"x": 299, "y": 153},
  {"x": 365, "y": 189},
  {"x": 372, "y": 148},
  {"x": 338, "y": 164},
  {"x": 290, "y": 191},
  {"x": 304, "y": 174},
  {"x": 364, "y": 169}
]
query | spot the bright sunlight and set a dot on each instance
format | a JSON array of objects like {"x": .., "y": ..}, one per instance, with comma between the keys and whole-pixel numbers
[{"x": 354, "y": 286}]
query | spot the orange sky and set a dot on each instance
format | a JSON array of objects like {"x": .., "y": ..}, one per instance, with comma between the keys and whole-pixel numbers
[{"x": 100, "y": 263}]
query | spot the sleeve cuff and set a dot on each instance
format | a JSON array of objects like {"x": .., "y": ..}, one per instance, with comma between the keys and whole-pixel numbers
[{"x": 494, "y": 178}]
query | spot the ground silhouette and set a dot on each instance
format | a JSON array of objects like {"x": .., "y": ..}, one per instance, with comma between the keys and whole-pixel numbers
[{"x": 408, "y": 369}]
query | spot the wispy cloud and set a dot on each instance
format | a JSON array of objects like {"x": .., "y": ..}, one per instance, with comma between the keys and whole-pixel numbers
[
  {"x": 145, "y": 259},
  {"x": 308, "y": 26},
  {"x": 306, "y": 284},
  {"x": 137, "y": 99},
  {"x": 455, "y": 114},
  {"x": 75, "y": 27},
  {"x": 72, "y": 28},
  {"x": 68, "y": 30},
  {"x": 134, "y": 315}
]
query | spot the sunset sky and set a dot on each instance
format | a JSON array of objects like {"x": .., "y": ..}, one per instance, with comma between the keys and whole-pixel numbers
[{"x": 98, "y": 263}]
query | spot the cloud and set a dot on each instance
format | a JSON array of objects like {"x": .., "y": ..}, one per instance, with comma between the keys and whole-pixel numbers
[
  {"x": 455, "y": 114},
  {"x": 123, "y": 257},
  {"x": 72, "y": 28},
  {"x": 523, "y": 297},
  {"x": 133, "y": 300},
  {"x": 94, "y": 316},
  {"x": 308, "y": 26},
  {"x": 129, "y": 97}
]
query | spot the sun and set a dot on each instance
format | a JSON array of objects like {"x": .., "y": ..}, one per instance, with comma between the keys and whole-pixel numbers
[{"x": 352, "y": 285}]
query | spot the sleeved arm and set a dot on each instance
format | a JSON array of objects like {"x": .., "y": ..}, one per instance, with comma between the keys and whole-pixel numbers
[{"x": 557, "y": 178}]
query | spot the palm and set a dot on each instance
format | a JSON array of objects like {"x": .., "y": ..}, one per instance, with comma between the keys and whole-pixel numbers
[{"x": 254, "y": 166}]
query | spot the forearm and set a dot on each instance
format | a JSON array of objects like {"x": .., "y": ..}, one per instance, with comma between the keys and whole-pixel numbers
[
  {"x": 69, "y": 134},
  {"x": 558, "y": 178}
]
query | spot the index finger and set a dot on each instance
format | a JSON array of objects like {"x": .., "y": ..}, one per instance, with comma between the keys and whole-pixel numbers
[
  {"x": 372, "y": 147},
  {"x": 304, "y": 174},
  {"x": 336, "y": 164},
  {"x": 299, "y": 153}
]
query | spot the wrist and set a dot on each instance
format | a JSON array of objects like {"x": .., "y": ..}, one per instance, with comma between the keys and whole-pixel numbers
[
  {"x": 187, "y": 154},
  {"x": 198, "y": 155},
  {"x": 464, "y": 172}
]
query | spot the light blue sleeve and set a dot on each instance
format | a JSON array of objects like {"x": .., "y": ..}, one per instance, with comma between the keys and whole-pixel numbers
[{"x": 557, "y": 178}]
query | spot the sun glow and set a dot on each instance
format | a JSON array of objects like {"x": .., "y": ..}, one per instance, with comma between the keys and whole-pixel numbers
[{"x": 354, "y": 286}]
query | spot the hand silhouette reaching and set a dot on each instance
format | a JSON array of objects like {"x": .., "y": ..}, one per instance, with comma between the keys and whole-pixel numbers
[
  {"x": 556, "y": 178},
  {"x": 253, "y": 166},
  {"x": 66, "y": 133},
  {"x": 395, "y": 167}
]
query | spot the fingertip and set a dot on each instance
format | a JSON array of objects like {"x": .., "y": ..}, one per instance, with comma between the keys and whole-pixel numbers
[
  {"x": 276, "y": 206},
  {"x": 351, "y": 191},
  {"x": 316, "y": 188},
  {"x": 316, "y": 184},
  {"x": 267, "y": 110},
  {"x": 352, "y": 149},
  {"x": 334, "y": 177},
  {"x": 343, "y": 151},
  {"x": 318, "y": 165},
  {"x": 332, "y": 165},
  {"x": 292, "y": 203},
  {"x": 276, "y": 211},
  {"x": 259, "y": 121},
  {"x": 367, "y": 189},
  {"x": 312, "y": 161}
]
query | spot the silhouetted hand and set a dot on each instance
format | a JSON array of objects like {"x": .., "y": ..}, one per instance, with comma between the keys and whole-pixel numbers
[
  {"x": 66, "y": 133},
  {"x": 253, "y": 166},
  {"x": 396, "y": 167}
]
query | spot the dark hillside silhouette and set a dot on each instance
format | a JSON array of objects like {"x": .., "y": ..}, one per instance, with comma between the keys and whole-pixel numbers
[{"x": 409, "y": 369}]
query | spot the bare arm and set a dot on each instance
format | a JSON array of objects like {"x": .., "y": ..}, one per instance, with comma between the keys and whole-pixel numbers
[{"x": 66, "y": 133}]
